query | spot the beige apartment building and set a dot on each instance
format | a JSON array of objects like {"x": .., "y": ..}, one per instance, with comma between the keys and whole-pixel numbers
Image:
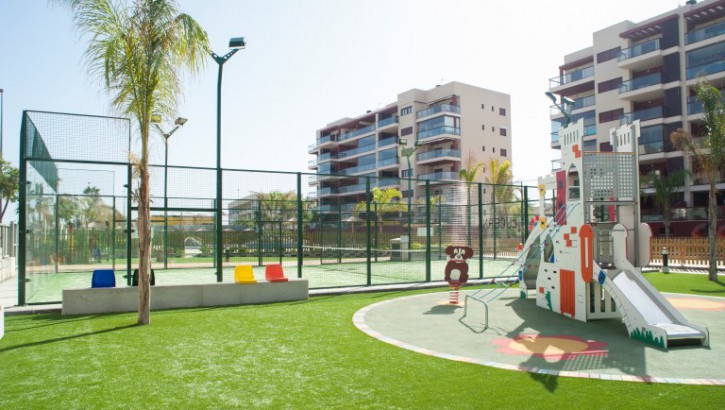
[
  {"x": 646, "y": 71},
  {"x": 445, "y": 125}
]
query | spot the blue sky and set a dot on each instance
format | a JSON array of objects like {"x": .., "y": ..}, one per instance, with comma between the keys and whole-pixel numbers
[{"x": 308, "y": 63}]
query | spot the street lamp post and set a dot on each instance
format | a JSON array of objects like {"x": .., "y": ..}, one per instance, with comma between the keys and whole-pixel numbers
[
  {"x": 235, "y": 44},
  {"x": 407, "y": 152},
  {"x": 178, "y": 123},
  {"x": 565, "y": 106}
]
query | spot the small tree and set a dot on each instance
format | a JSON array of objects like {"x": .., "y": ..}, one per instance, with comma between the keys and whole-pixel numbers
[
  {"x": 8, "y": 185},
  {"x": 385, "y": 202},
  {"x": 709, "y": 155},
  {"x": 664, "y": 188}
]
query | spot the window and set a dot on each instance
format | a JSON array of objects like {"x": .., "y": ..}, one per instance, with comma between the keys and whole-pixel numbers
[
  {"x": 609, "y": 85},
  {"x": 406, "y": 110},
  {"x": 483, "y": 148},
  {"x": 502, "y": 131},
  {"x": 610, "y": 54},
  {"x": 492, "y": 108},
  {"x": 405, "y": 173},
  {"x": 493, "y": 150},
  {"x": 503, "y": 152},
  {"x": 493, "y": 129},
  {"x": 406, "y": 131},
  {"x": 483, "y": 106},
  {"x": 502, "y": 111},
  {"x": 612, "y": 115},
  {"x": 483, "y": 128}
]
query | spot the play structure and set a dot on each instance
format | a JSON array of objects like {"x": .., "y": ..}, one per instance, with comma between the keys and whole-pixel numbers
[{"x": 585, "y": 261}]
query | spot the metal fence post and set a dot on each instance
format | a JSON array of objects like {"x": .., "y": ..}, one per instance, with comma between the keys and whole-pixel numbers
[
  {"x": 525, "y": 214},
  {"x": 22, "y": 211},
  {"x": 427, "y": 231},
  {"x": 129, "y": 195},
  {"x": 339, "y": 232},
  {"x": 376, "y": 231},
  {"x": 493, "y": 205},
  {"x": 299, "y": 225},
  {"x": 480, "y": 231},
  {"x": 368, "y": 235},
  {"x": 260, "y": 233}
]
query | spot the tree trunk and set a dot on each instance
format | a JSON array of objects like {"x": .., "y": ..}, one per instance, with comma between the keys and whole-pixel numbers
[
  {"x": 712, "y": 230},
  {"x": 144, "y": 246}
]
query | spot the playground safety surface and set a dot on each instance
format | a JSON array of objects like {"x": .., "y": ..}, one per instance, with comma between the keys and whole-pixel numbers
[{"x": 522, "y": 336}]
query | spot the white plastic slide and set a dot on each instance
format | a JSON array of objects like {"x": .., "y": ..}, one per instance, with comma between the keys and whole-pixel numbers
[{"x": 648, "y": 315}]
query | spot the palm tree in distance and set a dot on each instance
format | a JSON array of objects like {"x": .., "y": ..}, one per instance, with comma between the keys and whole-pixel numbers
[
  {"x": 137, "y": 50},
  {"x": 470, "y": 175},
  {"x": 708, "y": 153}
]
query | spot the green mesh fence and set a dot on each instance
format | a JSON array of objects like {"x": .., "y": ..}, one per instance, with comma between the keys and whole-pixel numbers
[{"x": 334, "y": 230}]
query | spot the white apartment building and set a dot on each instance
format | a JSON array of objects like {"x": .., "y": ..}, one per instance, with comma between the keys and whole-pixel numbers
[
  {"x": 646, "y": 71},
  {"x": 448, "y": 124}
]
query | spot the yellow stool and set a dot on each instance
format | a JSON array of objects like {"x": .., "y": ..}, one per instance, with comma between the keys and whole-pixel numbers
[{"x": 244, "y": 274}]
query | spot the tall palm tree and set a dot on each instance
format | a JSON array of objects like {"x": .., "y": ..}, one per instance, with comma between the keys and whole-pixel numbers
[
  {"x": 385, "y": 201},
  {"x": 500, "y": 174},
  {"x": 470, "y": 175},
  {"x": 137, "y": 49},
  {"x": 664, "y": 188},
  {"x": 709, "y": 155}
]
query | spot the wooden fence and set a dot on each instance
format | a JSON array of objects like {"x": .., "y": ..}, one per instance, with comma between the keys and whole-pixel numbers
[{"x": 686, "y": 252}]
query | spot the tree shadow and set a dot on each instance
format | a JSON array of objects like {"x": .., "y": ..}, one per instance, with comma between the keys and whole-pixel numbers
[{"x": 64, "y": 338}]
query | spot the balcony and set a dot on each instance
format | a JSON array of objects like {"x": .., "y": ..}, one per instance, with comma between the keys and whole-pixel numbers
[
  {"x": 356, "y": 133},
  {"x": 357, "y": 169},
  {"x": 351, "y": 189},
  {"x": 356, "y": 151},
  {"x": 387, "y": 141},
  {"x": 324, "y": 192},
  {"x": 437, "y": 154},
  {"x": 440, "y": 131},
  {"x": 440, "y": 176},
  {"x": 590, "y": 130},
  {"x": 713, "y": 67},
  {"x": 579, "y": 103},
  {"x": 438, "y": 109},
  {"x": 555, "y": 137},
  {"x": 640, "y": 82},
  {"x": 651, "y": 148},
  {"x": 694, "y": 106},
  {"x": 388, "y": 121},
  {"x": 705, "y": 33},
  {"x": 312, "y": 164},
  {"x": 387, "y": 162},
  {"x": 324, "y": 157},
  {"x": 388, "y": 182},
  {"x": 642, "y": 115},
  {"x": 571, "y": 77},
  {"x": 639, "y": 50}
]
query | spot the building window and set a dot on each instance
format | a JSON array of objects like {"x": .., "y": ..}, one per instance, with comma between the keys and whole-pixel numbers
[
  {"x": 493, "y": 150},
  {"x": 502, "y": 111},
  {"x": 612, "y": 115},
  {"x": 493, "y": 129},
  {"x": 406, "y": 173},
  {"x": 609, "y": 85},
  {"x": 483, "y": 128},
  {"x": 483, "y": 106},
  {"x": 492, "y": 108},
  {"x": 502, "y": 131},
  {"x": 483, "y": 148},
  {"x": 503, "y": 152},
  {"x": 406, "y": 110},
  {"x": 406, "y": 131},
  {"x": 610, "y": 54}
]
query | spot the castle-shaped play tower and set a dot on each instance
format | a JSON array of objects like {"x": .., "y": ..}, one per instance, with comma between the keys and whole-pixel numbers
[{"x": 585, "y": 261}]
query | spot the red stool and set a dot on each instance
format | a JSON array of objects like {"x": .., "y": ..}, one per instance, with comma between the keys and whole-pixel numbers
[{"x": 274, "y": 273}]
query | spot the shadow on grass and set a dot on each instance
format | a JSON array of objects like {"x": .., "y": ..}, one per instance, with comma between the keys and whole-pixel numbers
[
  {"x": 57, "y": 319},
  {"x": 64, "y": 338},
  {"x": 710, "y": 291}
]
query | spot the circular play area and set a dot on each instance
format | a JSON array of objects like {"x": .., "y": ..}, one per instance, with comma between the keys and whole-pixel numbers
[{"x": 521, "y": 336}]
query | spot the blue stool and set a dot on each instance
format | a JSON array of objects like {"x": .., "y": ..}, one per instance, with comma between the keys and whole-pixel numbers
[{"x": 103, "y": 278}]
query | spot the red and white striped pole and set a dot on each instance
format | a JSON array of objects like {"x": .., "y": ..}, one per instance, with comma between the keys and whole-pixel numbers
[{"x": 453, "y": 295}]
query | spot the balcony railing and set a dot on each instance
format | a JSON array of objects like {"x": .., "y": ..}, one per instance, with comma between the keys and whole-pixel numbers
[
  {"x": 387, "y": 141},
  {"x": 555, "y": 137},
  {"x": 639, "y": 49},
  {"x": 387, "y": 162},
  {"x": 579, "y": 103},
  {"x": 651, "y": 148},
  {"x": 324, "y": 157},
  {"x": 706, "y": 69},
  {"x": 438, "y": 153},
  {"x": 705, "y": 33},
  {"x": 387, "y": 121},
  {"x": 358, "y": 150},
  {"x": 438, "y": 131},
  {"x": 640, "y": 82},
  {"x": 571, "y": 76},
  {"x": 438, "y": 108},
  {"x": 694, "y": 106},
  {"x": 438, "y": 176},
  {"x": 324, "y": 191},
  {"x": 388, "y": 182},
  {"x": 590, "y": 130},
  {"x": 642, "y": 115},
  {"x": 681, "y": 214},
  {"x": 359, "y": 168},
  {"x": 312, "y": 163},
  {"x": 351, "y": 188},
  {"x": 356, "y": 133}
]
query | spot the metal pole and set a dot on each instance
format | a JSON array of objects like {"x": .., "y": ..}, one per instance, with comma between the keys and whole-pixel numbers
[
  {"x": 260, "y": 233},
  {"x": 57, "y": 234},
  {"x": 113, "y": 234},
  {"x": 427, "y": 231},
  {"x": 166, "y": 203},
  {"x": 129, "y": 191},
  {"x": 299, "y": 225},
  {"x": 525, "y": 212},
  {"x": 480, "y": 231},
  {"x": 219, "y": 239},
  {"x": 493, "y": 202},
  {"x": 376, "y": 231},
  {"x": 440, "y": 228},
  {"x": 410, "y": 195},
  {"x": 367, "y": 232},
  {"x": 22, "y": 211},
  {"x": 339, "y": 232}
]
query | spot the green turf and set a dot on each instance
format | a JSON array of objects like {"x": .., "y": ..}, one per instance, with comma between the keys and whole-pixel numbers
[
  {"x": 686, "y": 283},
  {"x": 302, "y": 355}
]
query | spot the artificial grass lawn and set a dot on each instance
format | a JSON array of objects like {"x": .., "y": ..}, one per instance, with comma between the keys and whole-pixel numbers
[
  {"x": 289, "y": 355},
  {"x": 695, "y": 284}
]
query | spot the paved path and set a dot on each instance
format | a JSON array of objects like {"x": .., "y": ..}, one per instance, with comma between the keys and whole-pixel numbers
[{"x": 522, "y": 336}]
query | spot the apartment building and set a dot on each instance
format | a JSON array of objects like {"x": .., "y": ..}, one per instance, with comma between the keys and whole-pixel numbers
[
  {"x": 445, "y": 125},
  {"x": 646, "y": 71}
]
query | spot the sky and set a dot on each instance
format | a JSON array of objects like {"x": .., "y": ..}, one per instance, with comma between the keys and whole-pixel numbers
[{"x": 308, "y": 63}]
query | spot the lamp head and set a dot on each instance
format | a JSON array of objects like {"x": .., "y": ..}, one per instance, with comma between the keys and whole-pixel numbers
[
  {"x": 237, "y": 42},
  {"x": 567, "y": 100},
  {"x": 551, "y": 96},
  {"x": 180, "y": 121}
]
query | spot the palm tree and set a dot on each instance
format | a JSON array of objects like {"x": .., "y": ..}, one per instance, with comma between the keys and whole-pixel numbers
[
  {"x": 386, "y": 201},
  {"x": 664, "y": 188},
  {"x": 709, "y": 156},
  {"x": 8, "y": 186},
  {"x": 500, "y": 175},
  {"x": 469, "y": 176},
  {"x": 137, "y": 50}
]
